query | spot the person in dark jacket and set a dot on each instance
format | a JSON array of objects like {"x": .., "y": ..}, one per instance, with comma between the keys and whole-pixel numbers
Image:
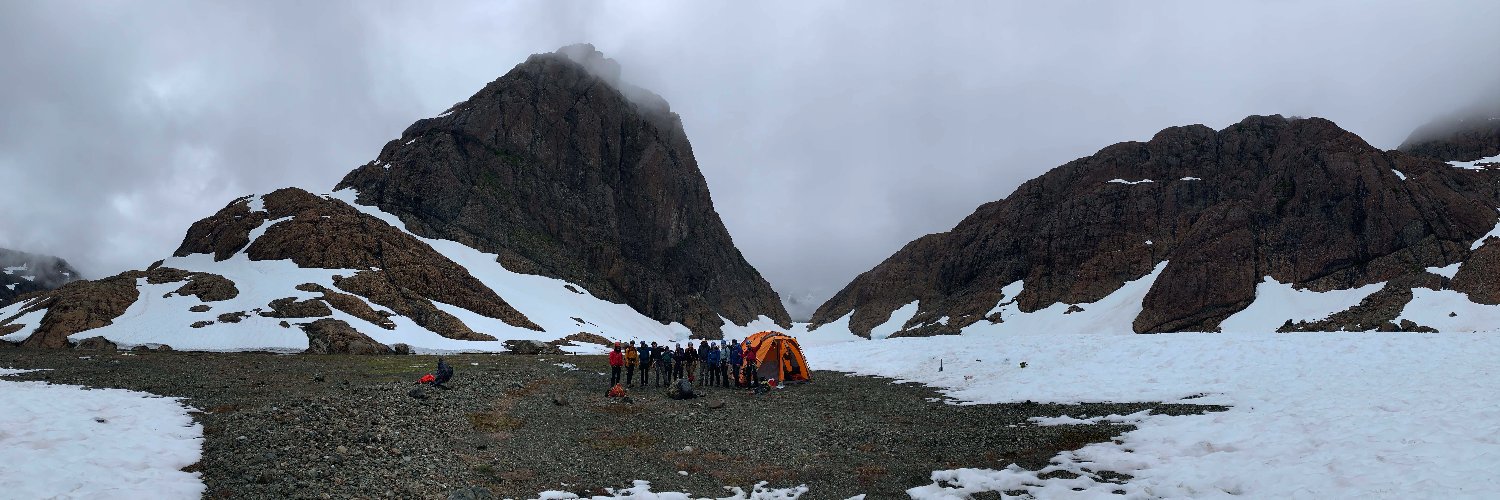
[
  {"x": 679, "y": 357},
  {"x": 702, "y": 367},
  {"x": 736, "y": 358},
  {"x": 647, "y": 359},
  {"x": 663, "y": 365},
  {"x": 690, "y": 363},
  {"x": 616, "y": 362}
]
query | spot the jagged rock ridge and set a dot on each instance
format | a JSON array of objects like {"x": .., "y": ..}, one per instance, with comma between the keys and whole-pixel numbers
[{"x": 1299, "y": 200}]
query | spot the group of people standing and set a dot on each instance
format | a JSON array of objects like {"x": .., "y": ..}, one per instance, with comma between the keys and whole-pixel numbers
[{"x": 721, "y": 364}]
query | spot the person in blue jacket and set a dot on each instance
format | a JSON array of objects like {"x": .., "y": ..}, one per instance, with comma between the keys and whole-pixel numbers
[
  {"x": 736, "y": 358},
  {"x": 711, "y": 363}
]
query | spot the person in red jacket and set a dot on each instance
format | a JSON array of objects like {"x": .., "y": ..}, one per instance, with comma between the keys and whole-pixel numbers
[{"x": 616, "y": 362}]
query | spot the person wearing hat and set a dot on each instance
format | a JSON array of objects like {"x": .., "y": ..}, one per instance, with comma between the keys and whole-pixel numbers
[{"x": 616, "y": 362}]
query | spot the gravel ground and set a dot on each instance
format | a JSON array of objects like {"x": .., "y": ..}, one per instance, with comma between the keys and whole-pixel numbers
[{"x": 346, "y": 426}]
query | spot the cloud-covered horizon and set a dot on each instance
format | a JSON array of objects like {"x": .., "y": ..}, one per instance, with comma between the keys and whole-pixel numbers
[{"x": 830, "y": 134}]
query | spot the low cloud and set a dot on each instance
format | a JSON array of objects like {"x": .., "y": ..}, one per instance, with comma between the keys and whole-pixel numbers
[{"x": 830, "y": 133}]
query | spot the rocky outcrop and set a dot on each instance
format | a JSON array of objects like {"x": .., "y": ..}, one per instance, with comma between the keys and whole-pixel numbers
[
  {"x": 290, "y": 307},
  {"x": 1299, "y": 200},
  {"x": 96, "y": 344},
  {"x": 331, "y": 336},
  {"x": 351, "y": 305},
  {"x": 85, "y": 305},
  {"x": 224, "y": 234},
  {"x": 566, "y": 172},
  {"x": 22, "y": 273},
  {"x": 78, "y": 306},
  {"x": 323, "y": 233},
  {"x": 1479, "y": 276}
]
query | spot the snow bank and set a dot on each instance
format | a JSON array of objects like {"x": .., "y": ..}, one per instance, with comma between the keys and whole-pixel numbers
[
  {"x": 1479, "y": 164},
  {"x": 1344, "y": 415},
  {"x": 1123, "y": 181},
  {"x": 1449, "y": 311},
  {"x": 74, "y": 442},
  {"x": 898, "y": 319},
  {"x": 1277, "y": 302},
  {"x": 1112, "y": 314},
  {"x": 1448, "y": 271}
]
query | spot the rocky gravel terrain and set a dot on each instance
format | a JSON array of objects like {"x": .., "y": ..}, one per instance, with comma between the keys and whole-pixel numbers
[{"x": 308, "y": 426}]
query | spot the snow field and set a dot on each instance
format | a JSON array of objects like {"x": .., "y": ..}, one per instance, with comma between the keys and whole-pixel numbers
[
  {"x": 1347, "y": 415},
  {"x": 64, "y": 441}
]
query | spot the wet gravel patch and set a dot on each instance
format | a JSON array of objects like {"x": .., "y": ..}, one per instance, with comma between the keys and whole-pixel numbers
[{"x": 349, "y": 427}]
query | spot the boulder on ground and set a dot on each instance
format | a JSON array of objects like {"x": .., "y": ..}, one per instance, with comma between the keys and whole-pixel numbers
[
  {"x": 531, "y": 347},
  {"x": 96, "y": 344},
  {"x": 332, "y": 336}
]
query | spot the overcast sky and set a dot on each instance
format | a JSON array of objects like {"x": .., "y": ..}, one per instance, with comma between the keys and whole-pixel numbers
[{"x": 830, "y": 133}]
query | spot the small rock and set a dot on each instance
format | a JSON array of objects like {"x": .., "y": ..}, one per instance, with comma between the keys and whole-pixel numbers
[
  {"x": 100, "y": 420},
  {"x": 341, "y": 449},
  {"x": 417, "y": 393},
  {"x": 318, "y": 377},
  {"x": 559, "y": 400},
  {"x": 716, "y": 405}
]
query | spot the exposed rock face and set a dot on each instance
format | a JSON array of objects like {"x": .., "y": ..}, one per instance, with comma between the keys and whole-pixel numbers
[
  {"x": 85, "y": 305},
  {"x": 290, "y": 307},
  {"x": 223, "y": 234},
  {"x": 331, "y": 336},
  {"x": 1302, "y": 201},
  {"x": 561, "y": 174},
  {"x": 22, "y": 273},
  {"x": 78, "y": 306}
]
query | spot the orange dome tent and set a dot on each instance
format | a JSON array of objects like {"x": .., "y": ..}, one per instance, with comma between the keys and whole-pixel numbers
[{"x": 778, "y": 356}]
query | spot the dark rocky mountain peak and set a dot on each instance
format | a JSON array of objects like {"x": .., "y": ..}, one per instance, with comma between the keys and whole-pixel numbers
[
  {"x": 1300, "y": 200},
  {"x": 563, "y": 170}
]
